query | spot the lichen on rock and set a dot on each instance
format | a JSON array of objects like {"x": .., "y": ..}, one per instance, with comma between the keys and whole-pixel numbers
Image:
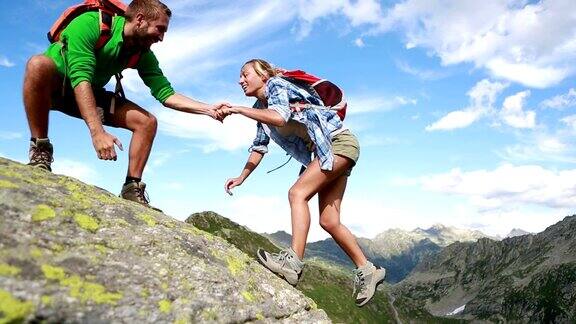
[{"x": 89, "y": 256}]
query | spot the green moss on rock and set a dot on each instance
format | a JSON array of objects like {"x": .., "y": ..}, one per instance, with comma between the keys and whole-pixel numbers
[
  {"x": 148, "y": 219},
  {"x": 165, "y": 306},
  {"x": 101, "y": 248},
  {"x": 13, "y": 310},
  {"x": 5, "y": 184},
  {"x": 7, "y": 270},
  {"x": 35, "y": 252},
  {"x": 47, "y": 300},
  {"x": 235, "y": 265},
  {"x": 79, "y": 288},
  {"x": 89, "y": 291},
  {"x": 248, "y": 296},
  {"x": 42, "y": 213},
  {"x": 87, "y": 222},
  {"x": 53, "y": 273}
]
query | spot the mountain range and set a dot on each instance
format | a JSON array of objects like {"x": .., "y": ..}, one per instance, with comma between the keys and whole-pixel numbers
[
  {"x": 397, "y": 250},
  {"x": 529, "y": 279}
]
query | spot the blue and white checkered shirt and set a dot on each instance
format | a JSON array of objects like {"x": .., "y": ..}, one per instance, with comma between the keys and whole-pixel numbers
[{"x": 320, "y": 124}]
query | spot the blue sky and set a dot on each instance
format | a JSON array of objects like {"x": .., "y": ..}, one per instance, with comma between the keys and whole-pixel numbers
[{"x": 465, "y": 110}]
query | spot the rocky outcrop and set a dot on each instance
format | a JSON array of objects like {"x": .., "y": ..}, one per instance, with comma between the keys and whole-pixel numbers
[
  {"x": 70, "y": 252},
  {"x": 530, "y": 278},
  {"x": 328, "y": 284}
]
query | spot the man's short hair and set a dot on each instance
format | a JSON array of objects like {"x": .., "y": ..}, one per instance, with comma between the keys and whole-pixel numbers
[{"x": 151, "y": 9}]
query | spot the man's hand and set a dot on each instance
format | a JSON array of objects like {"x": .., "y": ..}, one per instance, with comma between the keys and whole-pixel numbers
[
  {"x": 231, "y": 183},
  {"x": 217, "y": 111},
  {"x": 104, "y": 145}
]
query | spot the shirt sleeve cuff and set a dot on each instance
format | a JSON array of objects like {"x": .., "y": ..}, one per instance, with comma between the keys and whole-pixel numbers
[{"x": 259, "y": 148}]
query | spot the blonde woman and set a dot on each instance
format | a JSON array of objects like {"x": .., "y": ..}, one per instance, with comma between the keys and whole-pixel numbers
[{"x": 301, "y": 133}]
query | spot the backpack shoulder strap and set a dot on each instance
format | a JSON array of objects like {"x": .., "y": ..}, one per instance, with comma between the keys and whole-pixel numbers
[
  {"x": 105, "y": 28},
  {"x": 106, "y": 19}
]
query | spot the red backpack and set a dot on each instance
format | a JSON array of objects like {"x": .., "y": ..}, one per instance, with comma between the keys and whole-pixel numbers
[
  {"x": 107, "y": 9},
  {"x": 331, "y": 94}
]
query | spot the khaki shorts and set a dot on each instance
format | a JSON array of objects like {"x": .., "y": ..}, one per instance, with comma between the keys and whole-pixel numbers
[{"x": 345, "y": 144}]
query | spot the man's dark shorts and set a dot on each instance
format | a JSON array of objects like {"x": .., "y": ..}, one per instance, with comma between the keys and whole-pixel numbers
[{"x": 67, "y": 104}]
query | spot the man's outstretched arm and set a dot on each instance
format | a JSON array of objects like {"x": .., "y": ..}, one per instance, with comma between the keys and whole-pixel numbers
[{"x": 182, "y": 103}]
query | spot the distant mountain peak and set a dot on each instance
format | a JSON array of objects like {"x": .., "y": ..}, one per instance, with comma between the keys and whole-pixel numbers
[{"x": 517, "y": 232}]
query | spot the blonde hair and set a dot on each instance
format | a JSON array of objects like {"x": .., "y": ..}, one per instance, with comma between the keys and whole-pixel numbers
[{"x": 262, "y": 68}]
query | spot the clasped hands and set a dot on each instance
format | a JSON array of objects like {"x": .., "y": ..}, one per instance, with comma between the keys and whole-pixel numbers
[{"x": 222, "y": 110}]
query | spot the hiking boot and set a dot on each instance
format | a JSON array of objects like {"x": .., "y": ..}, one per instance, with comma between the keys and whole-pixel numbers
[
  {"x": 366, "y": 280},
  {"x": 285, "y": 264},
  {"x": 41, "y": 154},
  {"x": 136, "y": 191}
]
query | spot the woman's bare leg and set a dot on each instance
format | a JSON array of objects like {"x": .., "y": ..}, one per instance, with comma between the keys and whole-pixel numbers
[
  {"x": 312, "y": 181},
  {"x": 329, "y": 201}
]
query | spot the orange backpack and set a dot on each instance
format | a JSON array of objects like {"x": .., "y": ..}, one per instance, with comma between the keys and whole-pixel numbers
[{"x": 107, "y": 9}]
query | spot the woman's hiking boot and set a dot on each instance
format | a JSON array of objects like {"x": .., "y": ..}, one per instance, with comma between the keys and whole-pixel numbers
[
  {"x": 366, "y": 280},
  {"x": 41, "y": 154},
  {"x": 136, "y": 191},
  {"x": 285, "y": 264}
]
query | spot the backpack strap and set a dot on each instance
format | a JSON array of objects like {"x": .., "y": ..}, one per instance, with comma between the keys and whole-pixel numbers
[
  {"x": 106, "y": 33},
  {"x": 105, "y": 29},
  {"x": 106, "y": 19}
]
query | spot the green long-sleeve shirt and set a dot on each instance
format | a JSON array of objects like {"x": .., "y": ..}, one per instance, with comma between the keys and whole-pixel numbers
[{"x": 80, "y": 62}]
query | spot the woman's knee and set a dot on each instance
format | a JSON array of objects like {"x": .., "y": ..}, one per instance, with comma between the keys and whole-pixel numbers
[
  {"x": 329, "y": 224},
  {"x": 295, "y": 194}
]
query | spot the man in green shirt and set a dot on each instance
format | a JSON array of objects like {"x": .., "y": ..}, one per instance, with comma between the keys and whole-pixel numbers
[{"x": 70, "y": 77}]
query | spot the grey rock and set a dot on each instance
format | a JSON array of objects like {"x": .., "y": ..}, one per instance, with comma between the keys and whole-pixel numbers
[{"x": 73, "y": 253}]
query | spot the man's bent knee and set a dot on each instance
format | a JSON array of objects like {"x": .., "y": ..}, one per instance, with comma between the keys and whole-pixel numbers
[
  {"x": 41, "y": 64},
  {"x": 152, "y": 123},
  {"x": 41, "y": 71}
]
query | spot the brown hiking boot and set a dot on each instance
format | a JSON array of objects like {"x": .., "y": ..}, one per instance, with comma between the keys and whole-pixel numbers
[
  {"x": 41, "y": 154},
  {"x": 136, "y": 191}
]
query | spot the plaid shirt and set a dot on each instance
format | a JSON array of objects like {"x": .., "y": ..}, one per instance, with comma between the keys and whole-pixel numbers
[{"x": 320, "y": 124}]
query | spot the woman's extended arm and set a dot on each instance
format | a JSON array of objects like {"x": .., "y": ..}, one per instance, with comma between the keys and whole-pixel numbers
[
  {"x": 253, "y": 160},
  {"x": 265, "y": 116}
]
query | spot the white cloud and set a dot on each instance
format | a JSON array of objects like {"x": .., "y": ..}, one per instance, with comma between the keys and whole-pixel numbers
[
  {"x": 570, "y": 121},
  {"x": 482, "y": 99},
  {"x": 529, "y": 43},
  {"x": 362, "y": 12},
  {"x": 359, "y": 42},
  {"x": 5, "y": 62},
  {"x": 75, "y": 169},
  {"x": 508, "y": 186},
  {"x": 272, "y": 213},
  {"x": 456, "y": 119},
  {"x": 561, "y": 101},
  {"x": 363, "y": 104},
  {"x": 513, "y": 114},
  {"x": 420, "y": 73},
  {"x": 540, "y": 145},
  {"x": 4, "y": 135},
  {"x": 191, "y": 44},
  {"x": 236, "y": 131},
  {"x": 527, "y": 74}
]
